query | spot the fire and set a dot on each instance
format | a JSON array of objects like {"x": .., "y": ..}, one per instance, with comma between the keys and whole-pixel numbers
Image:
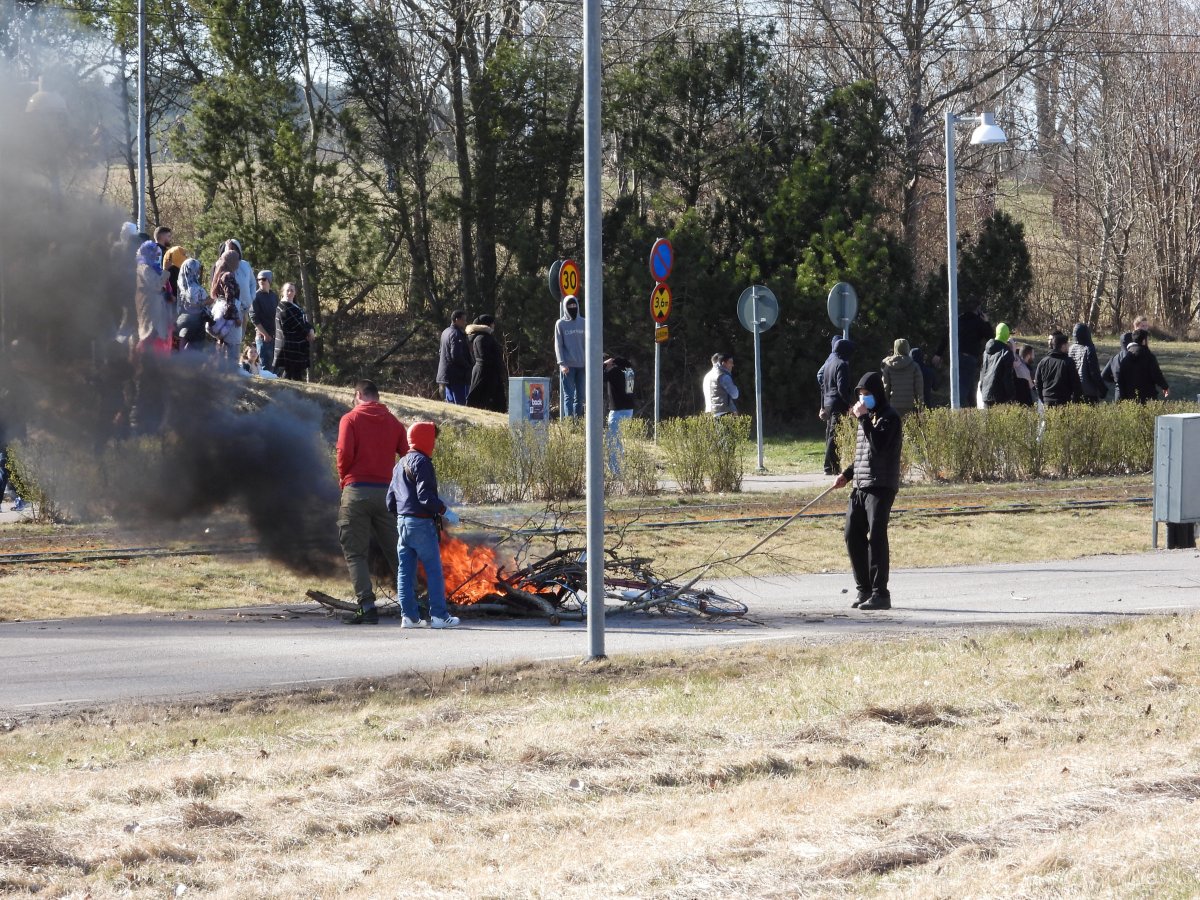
[{"x": 471, "y": 571}]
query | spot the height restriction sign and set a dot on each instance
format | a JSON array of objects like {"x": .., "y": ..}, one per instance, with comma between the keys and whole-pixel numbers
[{"x": 660, "y": 303}]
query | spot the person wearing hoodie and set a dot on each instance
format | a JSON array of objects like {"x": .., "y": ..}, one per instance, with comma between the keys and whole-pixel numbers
[
  {"x": 928, "y": 375},
  {"x": 1136, "y": 371},
  {"x": 875, "y": 473},
  {"x": 834, "y": 379},
  {"x": 413, "y": 498},
  {"x": 997, "y": 380},
  {"x": 369, "y": 440},
  {"x": 1083, "y": 353},
  {"x": 572, "y": 361},
  {"x": 902, "y": 379},
  {"x": 489, "y": 378},
  {"x": 1056, "y": 380},
  {"x": 1109, "y": 373}
]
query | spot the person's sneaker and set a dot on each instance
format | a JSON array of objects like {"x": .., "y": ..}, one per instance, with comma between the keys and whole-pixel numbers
[
  {"x": 406, "y": 622},
  {"x": 448, "y": 622},
  {"x": 19, "y": 506},
  {"x": 877, "y": 602},
  {"x": 367, "y": 616}
]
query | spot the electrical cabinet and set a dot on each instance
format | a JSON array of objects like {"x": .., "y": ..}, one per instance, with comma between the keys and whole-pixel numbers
[{"x": 1177, "y": 473}]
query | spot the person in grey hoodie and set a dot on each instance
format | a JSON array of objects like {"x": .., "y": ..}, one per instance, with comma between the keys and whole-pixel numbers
[
  {"x": 568, "y": 350},
  {"x": 1083, "y": 353},
  {"x": 902, "y": 379}
]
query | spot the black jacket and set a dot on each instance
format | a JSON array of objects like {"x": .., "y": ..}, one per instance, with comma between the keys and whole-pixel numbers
[
  {"x": 291, "y": 337},
  {"x": 1083, "y": 353},
  {"x": 997, "y": 382},
  {"x": 262, "y": 312},
  {"x": 973, "y": 332},
  {"x": 1056, "y": 380},
  {"x": 834, "y": 378},
  {"x": 880, "y": 440},
  {"x": 454, "y": 357},
  {"x": 618, "y": 382},
  {"x": 1137, "y": 374},
  {"x": 489, "y": 378}
]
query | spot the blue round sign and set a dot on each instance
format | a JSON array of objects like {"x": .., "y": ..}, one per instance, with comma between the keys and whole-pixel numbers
[{"x": 662, "y": 257}]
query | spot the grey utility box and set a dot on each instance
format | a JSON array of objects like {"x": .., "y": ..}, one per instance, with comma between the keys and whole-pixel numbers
[
  {"x": 529, "y": 401},
  {"x": 1177, "y": 477}
]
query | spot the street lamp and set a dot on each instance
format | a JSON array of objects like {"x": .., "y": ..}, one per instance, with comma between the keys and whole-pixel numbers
[{"x": 986, "y": 132}]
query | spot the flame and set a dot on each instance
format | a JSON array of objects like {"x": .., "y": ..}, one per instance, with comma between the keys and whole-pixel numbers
[{"x": 471, "y": 571}]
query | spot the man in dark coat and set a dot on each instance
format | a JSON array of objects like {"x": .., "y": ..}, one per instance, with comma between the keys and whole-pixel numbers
[
  {"x": 974, "y": 330},
  {"x": 1136, "y": 371},
  {"x": 1056, "y": 381},
  {"x": 876, "y": 476},
  {"x": 454, "y": 360},
  {"x": 489, "y": 378},
  {"x": 834, "y": 379},
  {"x": 262, "y": 317},
  {"x": 997, "y": 383},
  {"x": 1083, "y": 353}
]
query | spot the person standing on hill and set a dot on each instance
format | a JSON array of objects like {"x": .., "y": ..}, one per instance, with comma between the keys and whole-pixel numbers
[
  {"x": 1083, "y": 354},
  {"x": 454, "y": 359},
  {"x": 489, "y": 377},
  {"x": 997, "y": 381},
  {"x": 293, "y": 337},
  {"x": 875, "y": 473},
  {"x": 262, "y": 317},
  {"x": 902, "y": 379},
  {"x": 572, "y": 360},
  {"x": 369, "y": 441},
  {"x": 836, "y": 395},
  {"x": 1056, "y": 381}
]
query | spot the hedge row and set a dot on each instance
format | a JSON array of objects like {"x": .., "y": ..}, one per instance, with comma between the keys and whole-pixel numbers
[{"x": 1008, "y": 443}]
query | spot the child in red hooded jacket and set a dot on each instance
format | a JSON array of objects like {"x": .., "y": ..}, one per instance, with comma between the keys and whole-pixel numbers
[{"x": 413, "y": 497}]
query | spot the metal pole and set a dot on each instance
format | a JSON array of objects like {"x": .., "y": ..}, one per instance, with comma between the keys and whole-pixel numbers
[
  {"x": 952, "y": 261},
  {"x": 141, "y": 117},
  {"x": 757, "y": 372},
  {"x": 593, "y": 277},
  {"x": 657, "y": 384}
]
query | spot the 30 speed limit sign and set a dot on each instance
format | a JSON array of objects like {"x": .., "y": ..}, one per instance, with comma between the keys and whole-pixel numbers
[
  {"x": 568, "y": 277},
  {"x": 660, "y": 303}
]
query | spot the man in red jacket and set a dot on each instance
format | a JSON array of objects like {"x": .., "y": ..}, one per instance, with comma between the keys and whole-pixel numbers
[{"x": 369, "y": 440}]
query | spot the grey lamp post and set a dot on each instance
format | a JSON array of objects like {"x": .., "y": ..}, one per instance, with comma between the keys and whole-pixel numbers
[{"x": 986, "y": 132}]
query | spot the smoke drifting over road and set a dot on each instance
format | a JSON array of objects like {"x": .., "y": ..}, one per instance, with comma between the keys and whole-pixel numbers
[{"x": 67, "y": 386}]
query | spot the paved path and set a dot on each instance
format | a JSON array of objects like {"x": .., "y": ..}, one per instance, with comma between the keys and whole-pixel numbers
[{"x": 182, "y": 656}]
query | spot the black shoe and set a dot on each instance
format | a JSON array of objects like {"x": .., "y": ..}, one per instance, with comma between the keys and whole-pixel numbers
[
  {"x": 876, "y": 602},
  {"x": 862, "y": 598},
  {"x": 367, "y": 616}
]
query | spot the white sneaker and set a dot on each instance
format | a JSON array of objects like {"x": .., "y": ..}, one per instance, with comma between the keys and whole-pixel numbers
[
  {"x": 448, "y": 622},
  {"x": 406, "y": 622}
]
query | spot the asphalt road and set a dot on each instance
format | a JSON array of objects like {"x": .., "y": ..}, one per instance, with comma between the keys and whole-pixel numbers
[{"x": 94, "y": 661}]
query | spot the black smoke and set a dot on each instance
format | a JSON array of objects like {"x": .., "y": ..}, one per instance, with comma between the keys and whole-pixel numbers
[{"x": 151, "y": 442}]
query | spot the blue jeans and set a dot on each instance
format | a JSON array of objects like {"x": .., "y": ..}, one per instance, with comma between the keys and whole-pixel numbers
[
  {"x": 266, "y": 352},
  {"x": 456, "y": 394},
  {"x": 419, "y": 543},
  {"x": 615, "y": 448},
  {"x": 571, "y": 400}
]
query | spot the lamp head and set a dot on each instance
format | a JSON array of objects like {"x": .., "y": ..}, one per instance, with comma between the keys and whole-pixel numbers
[{"x": 987, "y": 131}]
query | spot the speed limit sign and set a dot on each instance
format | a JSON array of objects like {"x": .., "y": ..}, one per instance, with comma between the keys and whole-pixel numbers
[
  {"x": 568, "y": 277},
  {"x": 660, "y": 303}
]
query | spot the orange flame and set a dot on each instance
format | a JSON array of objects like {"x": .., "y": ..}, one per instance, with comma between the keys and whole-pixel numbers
[{"x": 471, "y": 571}]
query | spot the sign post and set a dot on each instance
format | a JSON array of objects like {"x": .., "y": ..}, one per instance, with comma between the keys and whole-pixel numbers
[
  {"x": 662, "y": 260},
  {"x": 758, "y": 310}
]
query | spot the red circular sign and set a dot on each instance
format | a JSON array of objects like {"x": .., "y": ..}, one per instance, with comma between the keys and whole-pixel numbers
[
  {"x": 568, "y": 278},
  {"x": 660, "y": 303}
]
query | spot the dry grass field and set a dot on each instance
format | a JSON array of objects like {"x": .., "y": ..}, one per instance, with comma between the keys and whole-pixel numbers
[{"x": 1031, "y": 764}]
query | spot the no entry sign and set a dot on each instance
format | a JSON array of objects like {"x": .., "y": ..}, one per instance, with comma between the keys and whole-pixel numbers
[{"x": 662, "y": 258}]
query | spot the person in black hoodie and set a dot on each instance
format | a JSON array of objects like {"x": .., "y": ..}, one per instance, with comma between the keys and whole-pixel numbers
[
  {"x": 1056, "y": 381},
  {"x": 1083, "y": 354},
  {"x": 1136, "y": 371},
  {"x": 875, "y": 473},
  {"x": 834, "y": 379},
  {"x": 997, "y": 384}
]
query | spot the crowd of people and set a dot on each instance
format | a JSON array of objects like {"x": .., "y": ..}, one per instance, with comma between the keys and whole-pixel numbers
[{"x": 177, "y": 310}]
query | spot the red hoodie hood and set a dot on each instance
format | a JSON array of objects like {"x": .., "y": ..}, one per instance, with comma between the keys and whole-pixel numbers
[{"x": 422, "y": 436}]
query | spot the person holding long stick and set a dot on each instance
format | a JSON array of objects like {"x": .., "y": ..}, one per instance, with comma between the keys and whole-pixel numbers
[{"x": 875, "y": 473}]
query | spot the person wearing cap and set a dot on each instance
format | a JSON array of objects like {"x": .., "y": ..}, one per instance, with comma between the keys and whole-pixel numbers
[
  {"x": 875, "y": 474},
  {"x": 413, "y": 498},
  {"x": 998, "y": 376},
  {"x": 572, "y": 360},
  {"x": 262, "y": 317}
]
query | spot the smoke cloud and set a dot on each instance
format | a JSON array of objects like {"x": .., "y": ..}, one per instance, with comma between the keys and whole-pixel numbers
[{"x": 205, "y": 441}]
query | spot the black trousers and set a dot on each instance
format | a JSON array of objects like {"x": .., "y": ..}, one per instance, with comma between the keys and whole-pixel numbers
[
  {"x": 832, "y": 418},
  {"x": 867, "y": 539}
]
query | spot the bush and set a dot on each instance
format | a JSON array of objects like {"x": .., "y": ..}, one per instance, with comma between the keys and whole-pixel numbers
[{"x": 702, "y": 451}]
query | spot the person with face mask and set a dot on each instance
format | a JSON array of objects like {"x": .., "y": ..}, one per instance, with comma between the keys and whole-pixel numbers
[
  {"x": 569, "y": 351},
  {"x": 875, "y": 473}
]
